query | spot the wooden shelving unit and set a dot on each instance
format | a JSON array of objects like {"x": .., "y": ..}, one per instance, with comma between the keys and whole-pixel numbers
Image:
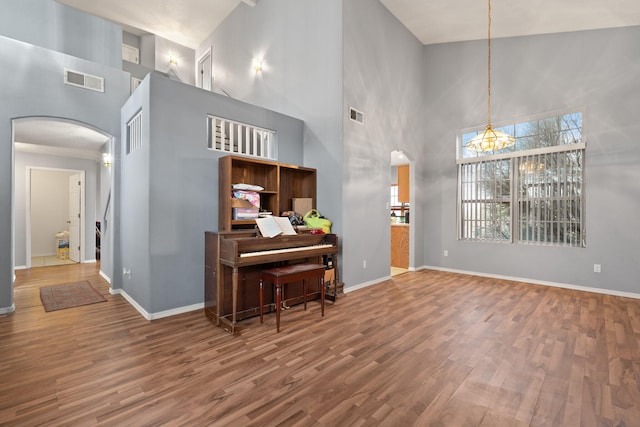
[{"x": 281, "y": 183}]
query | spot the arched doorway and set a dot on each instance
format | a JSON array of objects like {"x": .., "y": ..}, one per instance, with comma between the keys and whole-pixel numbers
[
  {"x": 400, "y": 212},
  {"x": 67, "y": 146}
]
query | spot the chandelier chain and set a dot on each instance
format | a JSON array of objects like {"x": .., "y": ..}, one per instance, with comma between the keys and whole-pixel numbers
[{"x": 489, "y": 63}]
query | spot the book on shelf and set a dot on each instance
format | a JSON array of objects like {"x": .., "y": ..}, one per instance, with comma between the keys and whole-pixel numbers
[
  {"x": 245, "y": 213},
  {"x": 271, "y": 226}
]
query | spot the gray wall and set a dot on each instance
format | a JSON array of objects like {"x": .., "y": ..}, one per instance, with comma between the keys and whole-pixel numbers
[
  {"x": 57, "y": 27},
  {"x": 385, "y": 73},
  {"x": 344, "y": 53},
  {"x": 184, "y": 69},
  {"x": 32, "y": 86},
  {"x": 169, "y": 196},
  {"x": 594, "y": 70},
  {"x": 132, "y": 203},
  {"x": 384, "y": 79},
  {"x": 300, "y": 42},
  {"x": 131, "y": 40}
]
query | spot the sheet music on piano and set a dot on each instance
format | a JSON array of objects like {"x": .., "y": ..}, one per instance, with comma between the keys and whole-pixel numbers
[{"x": 272, "y": 226}]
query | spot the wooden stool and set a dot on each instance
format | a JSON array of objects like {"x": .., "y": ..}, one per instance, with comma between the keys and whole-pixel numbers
[{"x": 291, "y": 273}]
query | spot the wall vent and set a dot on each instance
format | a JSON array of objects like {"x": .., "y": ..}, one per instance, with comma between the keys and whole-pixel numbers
[
  {"x": 87, "y": 81},
  {"x": 356, "y": 115},
  {"x": 134, "y": 133}
]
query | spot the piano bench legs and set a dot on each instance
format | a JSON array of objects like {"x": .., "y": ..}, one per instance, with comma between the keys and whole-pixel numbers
[{"x": 280, "y": 276}]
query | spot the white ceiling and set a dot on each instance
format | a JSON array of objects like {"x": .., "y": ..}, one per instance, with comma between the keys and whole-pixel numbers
[
  {"x": 189, "y": 22},
  {"x": 186, "y": 22},
  {"x": 442, "y": 21},
  {"x": 58, "y": 138}
]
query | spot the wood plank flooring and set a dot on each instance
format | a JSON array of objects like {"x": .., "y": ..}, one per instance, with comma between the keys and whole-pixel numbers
[{"x": 425, "y": 348}]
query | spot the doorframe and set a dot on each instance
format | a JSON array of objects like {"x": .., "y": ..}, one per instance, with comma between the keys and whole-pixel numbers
[
  {"x": 412, "y": 208},
  {"x": 199, "y": 79},
  {"x": 28, "y": 210}
]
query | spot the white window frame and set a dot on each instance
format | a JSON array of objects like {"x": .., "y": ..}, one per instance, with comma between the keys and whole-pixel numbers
[{"x": 556, "y": 193}]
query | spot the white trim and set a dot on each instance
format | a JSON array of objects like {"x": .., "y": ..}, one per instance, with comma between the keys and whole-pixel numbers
[
  {"x": 516, "y": 120},
  {"x": 7, "y": 310},
  {"x": 88, "y": 80},
  {"x": 158, "y": 315},
  {"x": 176, "y": 311},
  {"x": 524, "y": 153},
  {"x": 199, "y": 79},
  {"x": 107, "y": 278},
  {"x": 348, "y": 289},
  {"x": 356, "y": 116},
  {"x": 133, "y": 302},
  {"x": 130, "y": 53},
  {"x": 538, "y": 282},
  {"x": 27, "y": 224},
  {"x": 18, "y": 267}
]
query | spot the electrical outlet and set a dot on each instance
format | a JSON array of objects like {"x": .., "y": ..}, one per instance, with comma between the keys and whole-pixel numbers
[
  {"x": 364, "y": 264},
  {"x": 597, "y": 268},
  {"x": 446, "y": 252}
]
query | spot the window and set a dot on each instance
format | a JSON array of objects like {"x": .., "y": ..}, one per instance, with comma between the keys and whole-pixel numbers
[
  {"x": 530, "y": 193},
  {"x": 134, "y": 133},
  {"x": 239, "y": 138},
  {"x": 399, "y": 210}
]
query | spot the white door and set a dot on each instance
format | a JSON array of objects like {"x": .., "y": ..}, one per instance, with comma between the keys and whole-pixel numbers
[
  {"x": 204, "y": 72},
  {"x": 75, "y": 191}
]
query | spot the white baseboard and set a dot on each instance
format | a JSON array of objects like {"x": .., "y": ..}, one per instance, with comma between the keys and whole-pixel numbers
[
  {"x": 538, "y": 282},
  {"x": 498, "y": 276},
  {"x": 348, "y": 289},
  {"x": 105, "y": 277},
  {"x": 159, "y": 315},
  {"x": 176, "y": 311},
  {"x": 7, "y": 310},
  {"x": 89, "y": 261}
]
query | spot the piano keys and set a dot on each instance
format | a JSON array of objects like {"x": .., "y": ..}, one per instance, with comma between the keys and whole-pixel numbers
[{"x": 234, "y": 259}]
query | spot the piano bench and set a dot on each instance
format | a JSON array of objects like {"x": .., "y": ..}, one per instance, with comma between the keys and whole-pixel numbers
[{"x": 279, "y": 276}]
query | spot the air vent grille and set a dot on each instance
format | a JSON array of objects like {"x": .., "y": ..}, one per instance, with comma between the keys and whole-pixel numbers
[
  {"x": 356, "y": 115},
  {"x": 87, "y": 81}
]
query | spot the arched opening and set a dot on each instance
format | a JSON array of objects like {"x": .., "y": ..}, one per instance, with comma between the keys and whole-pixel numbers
[
  {"x": 57, "y": 158},
  {"x": 400, "y": 199}
]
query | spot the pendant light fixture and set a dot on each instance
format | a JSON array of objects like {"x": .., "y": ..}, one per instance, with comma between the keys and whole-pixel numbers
[{"x": 490, "y": 139}]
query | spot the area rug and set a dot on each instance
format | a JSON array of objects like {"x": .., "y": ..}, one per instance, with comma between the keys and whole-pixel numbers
[{"x": 69, "y": 295}]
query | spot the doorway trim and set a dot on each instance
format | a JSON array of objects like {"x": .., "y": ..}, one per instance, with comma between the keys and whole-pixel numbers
[
  {"x": 27, "y": 224},
  {"x": 413, "y": 205},
  {"x": 200, "y": 81}
]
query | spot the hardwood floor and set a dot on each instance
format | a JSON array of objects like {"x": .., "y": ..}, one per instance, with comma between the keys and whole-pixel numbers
[{"x": 425, "y": 348}]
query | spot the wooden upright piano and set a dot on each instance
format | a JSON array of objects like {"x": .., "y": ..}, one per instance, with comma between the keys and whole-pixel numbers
[{"x": 234, "y": 259}]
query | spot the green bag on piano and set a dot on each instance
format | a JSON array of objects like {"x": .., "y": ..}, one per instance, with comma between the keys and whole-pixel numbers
[{"x": 313, "y": 219}]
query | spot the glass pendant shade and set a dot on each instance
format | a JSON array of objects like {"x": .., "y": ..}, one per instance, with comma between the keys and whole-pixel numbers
[{"x": 490, "y": 140}]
